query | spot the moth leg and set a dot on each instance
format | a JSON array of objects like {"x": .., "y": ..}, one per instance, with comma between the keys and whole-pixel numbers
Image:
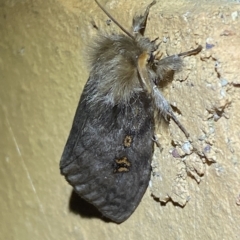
[
  {"x": 167, "y": 66},
  {"x": 191, "y": 52},
  {"x": 139, "y": 22},
  {"x": 160, "y": 102},
  {"x": 164, "y": 68},
  {"x": 155, "y": 139},
  {"x": 165, "y": 109}
]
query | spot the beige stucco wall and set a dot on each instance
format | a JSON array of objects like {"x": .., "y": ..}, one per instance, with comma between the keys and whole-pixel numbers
[{"x": 42, "y": 72}]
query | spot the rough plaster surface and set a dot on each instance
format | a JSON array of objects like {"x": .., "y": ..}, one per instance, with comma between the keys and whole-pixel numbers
[{"x": 43, "y": 69}]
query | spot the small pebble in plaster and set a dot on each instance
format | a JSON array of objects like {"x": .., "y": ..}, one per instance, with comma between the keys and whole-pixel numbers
[
  {"x": 175, "y": 153},
  {"x": 223, "y": 93},
  {"x": 150, "y": 184},
  {"x": 227, "y": 32},
  {"x": 164, "y": 39},
  {"x": 202, "y": 137},
  {"x": 185, "y": 16},
  {"x": 209, "y": 153},
  {"x": 107, "y": 157},
  {"x": 207, "y": 148},
  {"x": 234, "y": 15},
  {"x": 224, "y": 82},
  {"x": 211, "y": 130},
  {"x": 209, "y": 43},
  {"x": 217, "y": 64},
  {"x": 216, "y": 117},
  {"x": 238, "y": 199},
  {"x": 209, "y": 46},
  {"x": 187, "y": 148},
  {"x": 219, "y": 169}
]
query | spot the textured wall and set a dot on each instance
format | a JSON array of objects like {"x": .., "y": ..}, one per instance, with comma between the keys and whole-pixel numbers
[{"x": 42, "y": 72}]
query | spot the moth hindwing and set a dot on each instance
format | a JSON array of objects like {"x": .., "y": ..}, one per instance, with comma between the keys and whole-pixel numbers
[{"x": 107, "y": 157}]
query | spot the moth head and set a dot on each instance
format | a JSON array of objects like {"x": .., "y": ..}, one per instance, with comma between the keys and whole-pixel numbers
[{"x": 139, "y": 22}]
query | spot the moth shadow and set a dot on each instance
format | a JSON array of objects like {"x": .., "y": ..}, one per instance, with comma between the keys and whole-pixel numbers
[{"x": 81, "y": 207}]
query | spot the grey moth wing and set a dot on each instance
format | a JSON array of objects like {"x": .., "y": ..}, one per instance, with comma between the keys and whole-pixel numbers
[
  {"x": 107, "y": 157},
  {"x": 108, "y": 154}
]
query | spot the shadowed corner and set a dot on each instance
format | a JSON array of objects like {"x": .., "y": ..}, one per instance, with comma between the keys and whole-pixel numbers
[{"x": 81, "y": 207}]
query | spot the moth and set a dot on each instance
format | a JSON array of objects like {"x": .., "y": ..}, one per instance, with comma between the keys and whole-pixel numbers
[{"x": 107, "y": 157}]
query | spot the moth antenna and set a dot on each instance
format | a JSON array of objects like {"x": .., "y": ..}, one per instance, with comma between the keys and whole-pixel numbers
[{"x": 115, "y": 21}]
